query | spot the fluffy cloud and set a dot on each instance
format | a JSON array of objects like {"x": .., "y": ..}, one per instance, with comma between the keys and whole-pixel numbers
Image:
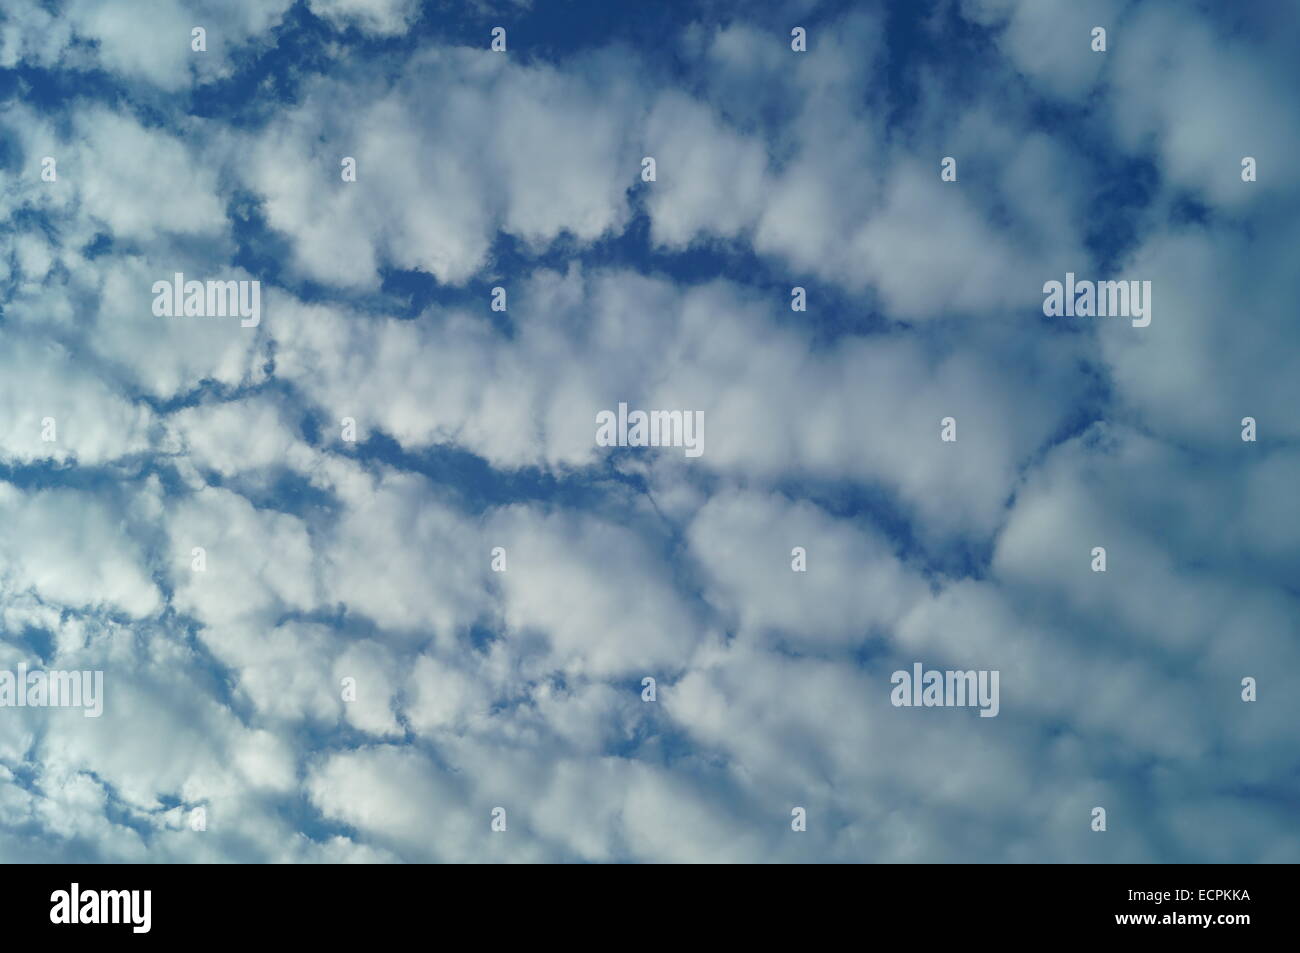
[{"x": 349, "y": 675}]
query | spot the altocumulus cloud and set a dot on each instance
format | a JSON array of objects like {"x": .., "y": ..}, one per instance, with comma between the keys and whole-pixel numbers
[{"x": 359, "y": 575}]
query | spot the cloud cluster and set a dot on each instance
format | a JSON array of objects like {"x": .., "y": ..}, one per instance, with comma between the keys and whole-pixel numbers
[{"x": 280, "y": 543}]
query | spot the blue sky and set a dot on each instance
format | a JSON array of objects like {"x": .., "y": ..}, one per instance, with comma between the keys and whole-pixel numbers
[{"x": 368, "y": 562}]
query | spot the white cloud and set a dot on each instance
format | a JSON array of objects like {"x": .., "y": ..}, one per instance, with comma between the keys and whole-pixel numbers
[
  {"x": 382, "y": 17},
  {"x": 329, "y": 560}
]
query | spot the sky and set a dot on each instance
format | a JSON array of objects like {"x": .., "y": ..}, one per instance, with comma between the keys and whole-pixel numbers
[{"x": 362, "y": 582}]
